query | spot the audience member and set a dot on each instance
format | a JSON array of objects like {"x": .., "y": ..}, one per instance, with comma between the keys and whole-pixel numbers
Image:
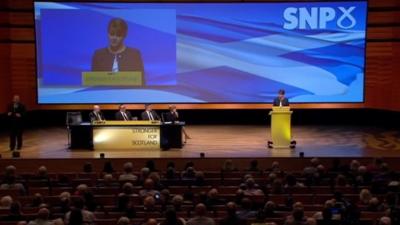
[
  {"x": 128, "y": 175},
  {"x": 42, "y": 218},
  {"x": 5, "y": 202},
  {"x": 172, "y": 219},
  {"x": 232, "y": 218},
  {"x": 201, "y": 217}
]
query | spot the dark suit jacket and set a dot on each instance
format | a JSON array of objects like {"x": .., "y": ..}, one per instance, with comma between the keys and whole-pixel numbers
[
  {"x": 20, "y": 108},
  {"x": 93, "y": 117},
  {"x": 145, "y": 116},
  {"x": 285, "y": 102},
  {"x": 128, "y": 60},
  {"x": 118, "y": 115},
  {"x": 170, "y": 117}
]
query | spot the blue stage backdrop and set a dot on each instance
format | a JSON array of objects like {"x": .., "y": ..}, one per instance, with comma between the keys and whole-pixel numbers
[{"x": 207, "y": 52}]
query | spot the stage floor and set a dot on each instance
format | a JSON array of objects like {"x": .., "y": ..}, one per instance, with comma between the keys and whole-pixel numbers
[{"x": 228, "y": 141}]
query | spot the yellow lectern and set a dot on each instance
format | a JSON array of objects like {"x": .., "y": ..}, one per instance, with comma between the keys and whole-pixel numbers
[{"x": 281, "y": 131}]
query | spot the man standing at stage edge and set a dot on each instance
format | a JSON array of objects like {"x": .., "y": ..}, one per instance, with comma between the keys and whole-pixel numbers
[{"x": 16, "y": 114}]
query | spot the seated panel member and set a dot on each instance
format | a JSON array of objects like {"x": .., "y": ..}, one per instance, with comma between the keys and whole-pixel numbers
[
  {"x": 123, "y": 114},
  {"x": 173, "y": 116},
  {"x": 96, "y": 114},
  {"x": 117, "y": 56},
  {"x": 281, "y": 100},
  {"x": 149, "y": 113}
]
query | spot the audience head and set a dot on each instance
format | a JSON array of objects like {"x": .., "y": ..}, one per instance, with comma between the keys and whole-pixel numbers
[
  {"x": 42, "y": 171},
  {"x": 298, "y": 205},
  {"x": 58, "y": 221},
  {"x": 128, "y": 167},
  {"x": 250, "y": 183},
  {"x": 362, "y": 169},
  {"x": 385, "y": 221},
  {"x": 354, "y": 164},
  {"x": 228, "y": 165},
  {"x": 65, "y": 196},
  {"x": 341, "y": 180},
  {"x": 373, "y": 203},
  {"x": 200, "y": 209},
  {"x": 108, "y": 178},
  {"x": 269, "y": 206},
  {"x": 311, "y": 221},
  {"x": 82, "y": 189},
  {"x": 43, "y": 214},
  {"x": 37, "y": 199},
  {"x": 10, "y": 170},
  {"x": 314, "y": 162},
  {"x": 151, "y": 221},
  {"x": 148, "y": 184},
  {"x": 144, "y": 172},
  {"x": 177, "y": 201},
  {"x": 155, "y": 177},
  {"x": 231, "y": 208},
  {"x": 6, "y": 201},
  {"x": 275, "y": 165},
  {"x": 149, "y": 202},
  {"x": 127, "y": 188},
  {"x": 213, "y": 193},
  {"x": 365, "y": 196},
  {"x": 123, "y": 221}
]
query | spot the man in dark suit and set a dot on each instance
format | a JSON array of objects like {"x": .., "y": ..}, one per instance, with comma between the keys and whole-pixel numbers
[
  {"x": 117, "y": 56},
  {"x": 149, "y": 114},
  {"x": 122, "y": 114},
  {"x": 281, "y": 100},
  {"x": 16, "y": 114},
  {"x": 96, "y": 114}
]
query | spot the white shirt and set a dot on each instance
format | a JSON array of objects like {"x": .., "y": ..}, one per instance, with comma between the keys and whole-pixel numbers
[
  {"x": 150, "y": 115},
  {"x": 124, "y": 115}
]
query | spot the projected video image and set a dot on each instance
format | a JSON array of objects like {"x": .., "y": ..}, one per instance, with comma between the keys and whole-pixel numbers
[{"x": 200, "y": 52}]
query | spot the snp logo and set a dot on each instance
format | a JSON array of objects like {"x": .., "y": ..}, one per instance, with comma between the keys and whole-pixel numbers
[{"x": 318, "y": 17}]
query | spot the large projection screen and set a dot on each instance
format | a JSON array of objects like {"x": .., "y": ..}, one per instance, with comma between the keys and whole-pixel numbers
[{"x": 200, "y": 52}]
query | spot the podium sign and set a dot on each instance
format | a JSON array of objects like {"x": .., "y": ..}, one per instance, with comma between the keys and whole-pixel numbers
[
  {"x": 125, "y": 78},
  {"x": 133, "y": 134},
  {"x": 281, "y": 131},
  {"x": 126, "y": 137},
  {"x": 125, "y": 123}
]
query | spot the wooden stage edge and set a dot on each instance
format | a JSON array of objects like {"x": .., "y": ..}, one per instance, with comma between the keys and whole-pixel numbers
[{"x": 227, "y": 141}]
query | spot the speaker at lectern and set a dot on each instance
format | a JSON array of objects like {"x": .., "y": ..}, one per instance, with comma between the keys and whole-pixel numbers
[{"x": 281, "y": 132}]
